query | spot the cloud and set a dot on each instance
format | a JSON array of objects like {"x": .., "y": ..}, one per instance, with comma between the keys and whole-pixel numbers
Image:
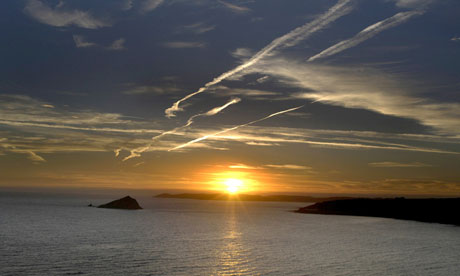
[
  {"x": 223, "y": 91},
  {"x": 9, "y": 147},
  {"x": 150, "y": 5},
  {"x": 127, "y": 5},
  {"x": 137, "y": 151},
  {"x": 138, "y": 164},
  {"x": 26, "y": 112},
  {"x": 184, "y": 44},
  {"x": 263, "y": 79},
  {"x": 61, "y": 18},
  {"x": 117, "y": 45},
  {"x": 35, "y": 157},
  {"x": 367, "y": 33},
  {"x": 261, "y": 144},
  {"x": 290, "y": 39},
  {"x": 398, "y": 165},
  {"x": 29, "y": 126},
  {"x": 337, "y": 145},
  {"x": 289, "y": 167},
  {"x": 243, "y": 167},
  {"x": 234, "y": 8},
  {"x": 216, "y": 110},
  {"x": 242, "y": 53},
  {"x": 455, "y": 38},
  {"x": 368, "y": 89},
  {"x": 234, "y": 128},
  {"x": 196, "y": 28},
  {"x": 117, "y": 152},
  {"x": 412, "y": 3},
  {"x": 336, "y": 139},
  {"x": 81, "y": 42}
]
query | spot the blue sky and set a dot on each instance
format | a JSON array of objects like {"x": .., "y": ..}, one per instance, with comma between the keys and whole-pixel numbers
[{"x": 310, "y": 96}]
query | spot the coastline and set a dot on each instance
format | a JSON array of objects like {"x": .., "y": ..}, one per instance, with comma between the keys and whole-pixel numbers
[{"x": 434, "y": 210}]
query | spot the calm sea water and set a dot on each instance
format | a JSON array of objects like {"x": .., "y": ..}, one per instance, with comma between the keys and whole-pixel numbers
[{"x": 59, "y": 235}]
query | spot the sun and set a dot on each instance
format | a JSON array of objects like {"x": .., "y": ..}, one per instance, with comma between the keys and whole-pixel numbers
[{"x": 233, "y": 185}]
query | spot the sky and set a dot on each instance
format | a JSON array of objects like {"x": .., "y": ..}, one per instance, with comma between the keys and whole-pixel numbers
[{"x": 298, "y": 96}]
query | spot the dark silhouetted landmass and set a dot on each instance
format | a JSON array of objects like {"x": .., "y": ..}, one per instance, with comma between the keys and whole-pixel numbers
[
  {"x": 440, "y": 210},
  {"x": 123, "y": 203},
  {"x": 244, "y": 197}
]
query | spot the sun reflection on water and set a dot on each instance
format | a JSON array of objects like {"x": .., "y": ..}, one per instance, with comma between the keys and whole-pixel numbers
[{"x": 234, "y": 255}]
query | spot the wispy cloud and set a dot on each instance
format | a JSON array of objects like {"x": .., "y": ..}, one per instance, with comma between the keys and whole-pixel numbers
[
  {"x": 35, "y": 157},
  {"x": 137, "y": 151},
  {"x": 234, "y": 128},
  {"x": 342, "y": 8},
  {"x": 261, "y": 144},
  {"x": 398, "y": 165},
  {"x": 369, "y": 89},
  {"x": 24, "y": 111},
  {"x": 49, "y": 130},
  {"x": 196, "y": 28},
  {"x": 455, "y": 38},
  {"x": 242, "y": 53},
  {"x": 117, "y": 45},
  {"x": 367, "y": 33},
  {"x": 412, "y": 3},
  {"x": 127, "y": 5},
  {"x": 288, "y": 167},
  {"x": 59, "y": 17},
  {"x": 263, "y": 79},
  {"x": 333, "y": 143},
  {"x": 117, "y": 152},
  {"x": 234, "y": 8},
  {"x": 81, "y": 42},
  {"x": 223, "y": 91},
  {"x": 10, "y": 147},
  {"x": 138, "y": 164},
  {"x": 184, "y": 44},
  {"x": 190, "y": 121},
  {"x": 150, "y": 5},
  {"x": 243, "y": 167}
]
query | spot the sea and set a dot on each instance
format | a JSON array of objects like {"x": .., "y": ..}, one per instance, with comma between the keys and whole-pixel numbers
[{"x": 58, "y": 234}]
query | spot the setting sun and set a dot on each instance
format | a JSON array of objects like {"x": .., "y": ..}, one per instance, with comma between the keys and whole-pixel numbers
[{"x": 233, "y": 185}]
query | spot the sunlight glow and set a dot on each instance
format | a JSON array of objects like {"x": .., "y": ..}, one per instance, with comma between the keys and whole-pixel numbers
[
  {"x": 233, "y": 185},
  {"x": 233, "y": 181}
]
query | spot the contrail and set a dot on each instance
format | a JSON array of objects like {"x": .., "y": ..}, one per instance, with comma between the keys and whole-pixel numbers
[
  {"x": 211, "y": 112},
  {"x": 137, "y": 151},
  {"x": 367, "y": 33},
  {"x": 235, "y": 127},
  {"x": 340, "y": 9}
]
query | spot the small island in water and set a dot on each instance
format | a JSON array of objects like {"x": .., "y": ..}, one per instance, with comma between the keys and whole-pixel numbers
[
  {"x": 440, "y": 210},
  {"x": 126, "y": 202}
]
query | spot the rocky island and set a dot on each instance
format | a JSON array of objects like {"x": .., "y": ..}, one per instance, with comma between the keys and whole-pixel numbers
[
  {"x": 440, "y": 210},
  {"x": 126, "y": 202}
]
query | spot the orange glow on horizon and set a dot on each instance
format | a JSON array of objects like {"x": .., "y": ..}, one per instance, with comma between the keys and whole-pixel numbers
[{"x": 233, "y": 182}]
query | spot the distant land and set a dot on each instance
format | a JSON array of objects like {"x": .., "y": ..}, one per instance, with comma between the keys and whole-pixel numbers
[
  {"x": 126, "y": 202},
  {"x": 245, "y": 197},
  {"x": 440, "y": 210}
]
